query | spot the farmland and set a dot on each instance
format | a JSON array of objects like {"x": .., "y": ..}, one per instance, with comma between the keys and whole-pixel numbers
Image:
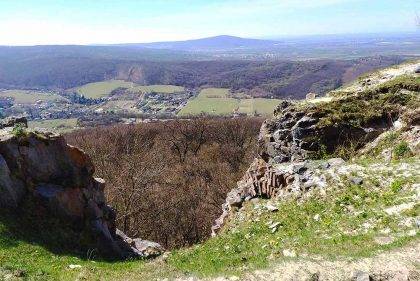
[
  {"x": 29, "y": 97},
  {"x": 217, "y": 101},
  {"x": 164, "y": 89},
  {"x": 103, "y": 89},
  {"x": 61, "y": 125}
]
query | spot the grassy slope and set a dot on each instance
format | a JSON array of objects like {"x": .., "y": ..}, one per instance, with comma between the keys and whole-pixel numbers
[
  {"x": 350, "y": 219},
  {"x": 29, "y": 97},
  {"x": 248, "y": 242},
  {"x": 104, "y": 88},
  {"x": 211, "y": 101},
  {"x": 164, "y": 89},
  {"x": 61, "y": 125}
]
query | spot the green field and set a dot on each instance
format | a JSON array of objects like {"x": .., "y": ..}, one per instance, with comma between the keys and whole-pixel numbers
[
  {"x": 216, "y": 101},
  {"x": 29, "y": 97},
  {"x": 61, "y": 125},
  {"x": 164, "y": 89},
  {"x": 103, "y": 89}
]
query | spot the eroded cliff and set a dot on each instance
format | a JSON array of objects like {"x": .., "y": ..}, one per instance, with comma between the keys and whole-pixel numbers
[{"x": 57, "y": 179}]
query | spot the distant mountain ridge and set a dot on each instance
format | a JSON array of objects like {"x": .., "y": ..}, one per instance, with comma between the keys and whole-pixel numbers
[{"x": 221, "y": 42}]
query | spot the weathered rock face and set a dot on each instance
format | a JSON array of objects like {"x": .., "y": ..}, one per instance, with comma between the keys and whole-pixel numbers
[
  {"x": 265, "y": 180},
  {"x": 301, "y": 132},
  {"x": 42, "y": 168},
  {"x": 295, "y": 134}
]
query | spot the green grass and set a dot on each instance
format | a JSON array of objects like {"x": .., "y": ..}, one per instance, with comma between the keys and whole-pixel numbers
[
  {"x": 44, "y": 251},
  {"x": 218, "y": 101},
  {"x": 29, "y": 97},
  {"x": 62, "y": 125},
  {"x": 247, "y": 243},
  {"x": 264, "y": 107},
  {"x": 164, "y": 89},
  {"x": 402, "y": 150},
  {"x": 211, "y": 101},
  {"x": 102, "y": 89}
]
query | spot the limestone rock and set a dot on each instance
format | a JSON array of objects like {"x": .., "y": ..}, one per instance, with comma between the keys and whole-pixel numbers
[
  {"x": 12, "y": 121},
  {"x": 41, "y": 167},
  {"x": 360, "y": 276}
]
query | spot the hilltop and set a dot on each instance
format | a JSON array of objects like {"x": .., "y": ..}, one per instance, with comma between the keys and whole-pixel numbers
[
  {"x": 332, "y": 194},
  {"x": 210, "y": 44}
]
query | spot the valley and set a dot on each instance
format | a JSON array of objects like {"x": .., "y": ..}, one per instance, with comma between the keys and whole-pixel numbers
[
  {"x": 332, "y": 191},
  {"x": 224, "y": 140},
  {"x": 118, "y": 91}
]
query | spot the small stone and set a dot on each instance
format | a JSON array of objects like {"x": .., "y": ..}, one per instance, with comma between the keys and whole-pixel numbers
[
  {"x": 367, "y": 225},
  {"x": 255, "y": 200},
  {"x": 317, "y": 217},
  {"x": 19, "y": 273},
  {"x": 360, "y": 276},
  {"x": 333, "y": 162},
  {"x": 289, "y": 253},
  {"x": 234, "y": 278},
  {"x": 356, "y": 180},
  {"x": 314, "y": 277},
  {"x": 383, "y": 240},
  {"x": 74, "y": 266},
  {"x": 412, "y": 232},
  {"x": 271, "y": 208},
  {"x": 385, "y": 231},
  {"x": 165, "y": 256},
  {"x": 274, "y": 225}
]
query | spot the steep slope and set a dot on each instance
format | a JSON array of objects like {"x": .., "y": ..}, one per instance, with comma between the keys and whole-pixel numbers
[
  {"x": 301, "y": 199},
  {"x": 43, "y": 177},
  {"x": 333, "y": 195}
]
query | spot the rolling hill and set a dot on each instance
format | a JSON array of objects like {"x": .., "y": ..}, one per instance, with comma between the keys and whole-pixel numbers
[{"x": 216, "y": 43}]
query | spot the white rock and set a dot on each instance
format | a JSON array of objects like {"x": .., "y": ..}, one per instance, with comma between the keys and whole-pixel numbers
[
  {"x": 289, "y": 253},
  {"x": 385, "y": 231},
  {"x": 412, "y": 232},
  {"x": 271, "y": 208},
  {"x": 74, "y": 266},
  {"x": 398, "y": 124},
  {"x": 274, "y": 225},
  {"x": 399, "y": 208},
  {"x": 317, "y": 217}
]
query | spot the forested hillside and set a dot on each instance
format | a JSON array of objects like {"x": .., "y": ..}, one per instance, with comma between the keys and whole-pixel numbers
[{"x": 64, "y": 67}]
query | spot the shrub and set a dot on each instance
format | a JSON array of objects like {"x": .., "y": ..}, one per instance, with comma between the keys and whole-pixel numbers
[
  {"x": 19, "y": 130},
  {"x": 402, "y": 150},
  {"x": 168, "y": 180},
  {"x": 396, "y": 186}
]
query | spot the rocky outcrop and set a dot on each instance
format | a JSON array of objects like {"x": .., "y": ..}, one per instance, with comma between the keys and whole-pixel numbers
[
  {"x": 40, "y": 167},
  {"x": 303, "y": 131},
  {"x": 297, "y": 133},
  {"x": 265, "y": 180}
]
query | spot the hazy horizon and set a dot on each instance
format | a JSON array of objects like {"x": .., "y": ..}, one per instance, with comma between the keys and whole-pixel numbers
[
  {"x": 46, "y": 22},
  {"x": 269, "y": 38}
]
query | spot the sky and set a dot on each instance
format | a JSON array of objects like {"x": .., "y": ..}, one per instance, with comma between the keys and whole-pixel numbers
[{"x": 39, "y": 22}]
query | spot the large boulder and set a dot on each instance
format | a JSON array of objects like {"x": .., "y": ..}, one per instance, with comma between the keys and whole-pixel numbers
[{"x": 43, "y": 168}]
